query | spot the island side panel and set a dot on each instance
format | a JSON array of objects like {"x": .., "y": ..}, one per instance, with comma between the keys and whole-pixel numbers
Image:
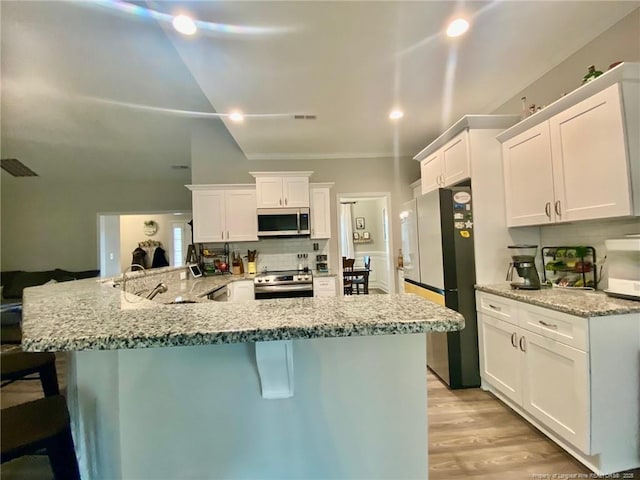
[
  {"x": 92, "y": 399},
  {"x": 359, "y": 410}
]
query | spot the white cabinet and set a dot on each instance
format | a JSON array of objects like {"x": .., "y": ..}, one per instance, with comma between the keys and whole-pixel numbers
[
  {"x": 448, "y": 165},
  {"x": 531, "y": 368},
  {"x": 282, "y": 189},
  {"x": 221, "y": 214},
  {"x": 320, "y": 210},
  {"x": 528, "y": 178},
  {"x": 240, "y": 291},
  {"x": 324, "y": 286},
  {"x": 566, "y": 375},
  {"x": 576, "y": 159}
]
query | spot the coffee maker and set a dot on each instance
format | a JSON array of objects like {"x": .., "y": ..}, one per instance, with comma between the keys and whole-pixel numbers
[{"x": 523, "y": 262}]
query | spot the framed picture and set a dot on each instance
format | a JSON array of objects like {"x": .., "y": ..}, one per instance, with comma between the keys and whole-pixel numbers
[
  {"x": 356, "y": 236},
  {"x": 359, "y": 223},
  {"x": 365, "y": 235}
]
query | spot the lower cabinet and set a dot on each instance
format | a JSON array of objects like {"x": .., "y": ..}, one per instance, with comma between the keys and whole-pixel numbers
[
  {"x": 546, "y": 377},
  {"x": 567, "y": 375},
  {"x": 240, "y": 291},
  {"x": 324, "y": 286}
]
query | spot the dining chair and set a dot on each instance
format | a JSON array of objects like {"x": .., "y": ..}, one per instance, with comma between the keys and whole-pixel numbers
[
  {"x": 347, "y": 280},
  {"x": 363, "y": 280}
]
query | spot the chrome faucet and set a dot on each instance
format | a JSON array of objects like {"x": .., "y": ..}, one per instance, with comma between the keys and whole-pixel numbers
[{"x": 160, "y": 288}]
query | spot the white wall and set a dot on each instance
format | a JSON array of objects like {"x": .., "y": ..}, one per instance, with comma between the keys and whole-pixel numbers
[{"x": 49, "y": 225}]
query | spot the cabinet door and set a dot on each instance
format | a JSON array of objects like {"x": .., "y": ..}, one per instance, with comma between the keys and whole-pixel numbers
[
  {"x": 431, "y": 172},
  {"x": 556, "y": 387},
  {"x": 528, "y": 177},
  {"x": 320, "y": 213},
  {"x": 455, "y": 160},
  {"x": 500, "y": 359},
  {"x": 240, "y": 291},
  {"x": 208, "y": 215},
  {"x": 295, "y": 191},
  {"x": 324, "y": 287},
  {"x": 241, "y": 218},
  {"x": 269, "y": 192},
  {"x": 590, "y": 163}
]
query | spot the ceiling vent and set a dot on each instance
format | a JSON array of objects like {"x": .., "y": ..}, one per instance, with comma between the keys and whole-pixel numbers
[
  {"x": 16, "y": 168},
  {"x": 304, "y": 117}
]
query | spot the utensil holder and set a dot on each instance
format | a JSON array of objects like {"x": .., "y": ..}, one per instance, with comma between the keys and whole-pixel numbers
[{"x": 251, "y": 267}]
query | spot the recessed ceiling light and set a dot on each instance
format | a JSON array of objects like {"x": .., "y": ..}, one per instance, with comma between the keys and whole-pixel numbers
[
  {"x": 396, "y": 114},
  {"x": 236, "y": 117},
  {"x": 184, "y": 25},
  {"x": 457, "y": 27}
]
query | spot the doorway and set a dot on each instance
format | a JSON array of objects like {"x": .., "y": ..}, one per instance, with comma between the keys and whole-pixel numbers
[
  {"x": 364, "y": 230},
  {"x": 121, "y": 233}
]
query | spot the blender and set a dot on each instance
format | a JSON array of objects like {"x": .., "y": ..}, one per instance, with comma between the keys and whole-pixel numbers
[{"x": 523, "y": 262}]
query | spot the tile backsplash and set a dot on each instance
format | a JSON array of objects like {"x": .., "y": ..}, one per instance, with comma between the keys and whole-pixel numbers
[
  {"x": 592, "y": 233},
  {"x": 282, "y": 253}
]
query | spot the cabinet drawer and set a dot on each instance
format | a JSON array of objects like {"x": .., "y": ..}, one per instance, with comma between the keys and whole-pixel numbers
[
  {"x": 497, "y": 307},
  {"x": 566, "y": 329}
]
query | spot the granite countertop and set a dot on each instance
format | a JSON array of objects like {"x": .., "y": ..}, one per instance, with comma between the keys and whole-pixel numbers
[
  {"x": 90, "y": 314},
  {"x": 582, "y": 303}
]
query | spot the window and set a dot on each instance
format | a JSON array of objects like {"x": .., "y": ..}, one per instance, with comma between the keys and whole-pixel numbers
[{"x": 178, "y": 247}]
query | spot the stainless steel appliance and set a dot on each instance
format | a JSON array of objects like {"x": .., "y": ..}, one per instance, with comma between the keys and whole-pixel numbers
[
  {"x": 283, "y": 222},
  {"x": 624, "y": 267},
  {"x": 437, "y": 243},
  {"x": 523, "y": 259},
  {"x": 283, "y": 284}
]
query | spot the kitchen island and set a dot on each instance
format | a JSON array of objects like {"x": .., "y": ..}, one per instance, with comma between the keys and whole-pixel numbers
[{"x": 294, "y": 388}]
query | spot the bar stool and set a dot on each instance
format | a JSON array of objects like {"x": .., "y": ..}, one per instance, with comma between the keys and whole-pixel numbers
[
  {"x": 43, "y": 423},
  {"x": 19, "y": 365}
]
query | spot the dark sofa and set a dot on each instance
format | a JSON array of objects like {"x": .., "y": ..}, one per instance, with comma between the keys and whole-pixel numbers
[{"x": 14, "y": 282}]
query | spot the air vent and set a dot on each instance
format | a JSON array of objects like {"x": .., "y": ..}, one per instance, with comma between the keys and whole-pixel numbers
[
  {"x": 304, "y": 117},
  {"x": 180, "y": 167},
  {"x": 16, "y": 168}
]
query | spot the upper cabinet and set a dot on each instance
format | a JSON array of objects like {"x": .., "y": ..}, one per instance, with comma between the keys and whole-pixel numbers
[
  {"x": 320, "y": 210},
  {"x": 448, "y": 165},
  {"x": 224, "y": 213},
  {"x": 448, "y": 159},
  {"x": 577, "y": 159},
  {"x": 282, "y": 189}
]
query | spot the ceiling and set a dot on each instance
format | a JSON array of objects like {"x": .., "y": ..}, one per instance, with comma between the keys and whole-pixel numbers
[{"x": 94, "y": 91}]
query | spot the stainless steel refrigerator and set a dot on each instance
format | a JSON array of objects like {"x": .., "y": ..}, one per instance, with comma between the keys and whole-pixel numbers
[{"x": 437, "y": 239}]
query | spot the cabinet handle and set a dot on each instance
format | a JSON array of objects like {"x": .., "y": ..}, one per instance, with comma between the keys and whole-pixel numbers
[
  {"x": 547, "y": 209},
  {"x": 513, "y": 340},
  {"x": 280, "y": 201},
  {"x": 222, "y": 236},
  {"x": 523, "y": 345},
  {"x": 557, "y": 209},
  {"x": 285, "y": 201},
  {"x": 550, "y": 325},
  {"x": 227, "y": 235},
  {"x": 495, "y": 308}
]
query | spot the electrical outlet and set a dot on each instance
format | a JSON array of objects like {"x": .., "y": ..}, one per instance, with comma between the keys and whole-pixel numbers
[{"x": 183, "y": 275}]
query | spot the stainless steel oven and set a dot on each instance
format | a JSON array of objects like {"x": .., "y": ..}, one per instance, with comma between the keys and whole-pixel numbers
[{"x": 283, "y": 284}]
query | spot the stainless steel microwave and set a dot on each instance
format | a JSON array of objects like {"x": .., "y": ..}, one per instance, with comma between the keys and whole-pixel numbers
[{"x": 283, "y": 222}]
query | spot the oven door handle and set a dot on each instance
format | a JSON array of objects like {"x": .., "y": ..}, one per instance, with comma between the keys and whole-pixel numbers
[{"x": 283, "y": 288}]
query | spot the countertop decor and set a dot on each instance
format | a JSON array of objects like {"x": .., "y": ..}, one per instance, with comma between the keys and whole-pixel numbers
[{"x": 582, "y": 303}]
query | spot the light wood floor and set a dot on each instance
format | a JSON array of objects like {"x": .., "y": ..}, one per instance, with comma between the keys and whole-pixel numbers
[{"x": 472, "y": 435}]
